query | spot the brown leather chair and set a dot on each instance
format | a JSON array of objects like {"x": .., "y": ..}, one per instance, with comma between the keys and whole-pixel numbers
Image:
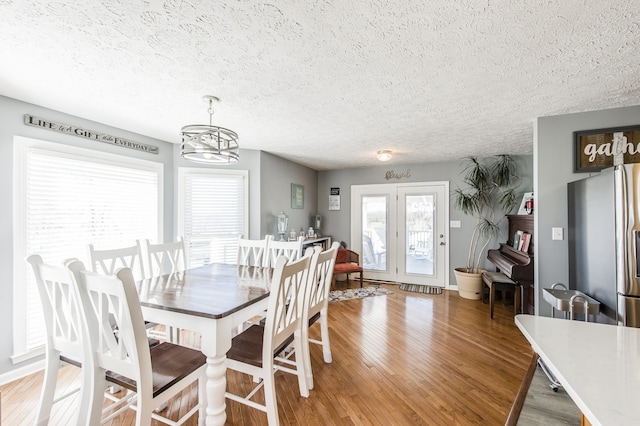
[{"x": 347, "y": 262}]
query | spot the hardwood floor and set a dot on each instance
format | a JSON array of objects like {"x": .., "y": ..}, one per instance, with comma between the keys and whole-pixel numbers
[{"x": 402, "y": 359}]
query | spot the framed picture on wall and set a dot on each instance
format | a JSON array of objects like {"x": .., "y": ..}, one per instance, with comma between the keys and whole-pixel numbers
[
  {"x": 523, "y": 204},
  {"x": 334, "y": 202},
  {"x": 297, "y": 196}
]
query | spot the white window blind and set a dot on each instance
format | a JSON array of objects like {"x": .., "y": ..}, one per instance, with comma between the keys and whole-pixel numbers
[
  {"x": 67, "y": 198},
  {"x": 213, "y": 212}
]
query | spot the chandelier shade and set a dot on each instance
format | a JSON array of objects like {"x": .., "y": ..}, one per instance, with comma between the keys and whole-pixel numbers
[{"x": 203, "y": 143}]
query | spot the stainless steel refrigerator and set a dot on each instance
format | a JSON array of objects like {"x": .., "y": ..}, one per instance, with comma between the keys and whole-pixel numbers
[{"x": 604, "y": 242}]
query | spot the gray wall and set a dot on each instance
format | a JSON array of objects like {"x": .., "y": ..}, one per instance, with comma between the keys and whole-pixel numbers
[
  {"x": 277, "y": 175},
  {"x": 337, "y": 223},
  {"x": 553, "y": 151}
]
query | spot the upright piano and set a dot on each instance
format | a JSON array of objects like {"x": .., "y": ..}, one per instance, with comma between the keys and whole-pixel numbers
[{"x": 516, "y": 264}]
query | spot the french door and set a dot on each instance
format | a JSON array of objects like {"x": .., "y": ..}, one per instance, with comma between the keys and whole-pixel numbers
[{"x": 400, "y": 231}]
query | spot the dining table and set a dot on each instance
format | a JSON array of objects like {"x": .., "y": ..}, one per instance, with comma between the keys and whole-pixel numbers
[{"x": 211, "y": 300}]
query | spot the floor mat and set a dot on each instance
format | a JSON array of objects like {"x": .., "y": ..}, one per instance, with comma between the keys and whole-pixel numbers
[
  {"x": 357, "y": 293},
  {"x": 418, "y": 288}
]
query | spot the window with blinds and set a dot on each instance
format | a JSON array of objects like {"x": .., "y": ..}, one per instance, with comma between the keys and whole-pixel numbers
[
  {"x": 66, "y": 198},
  {"x": 212, "y": 213}
]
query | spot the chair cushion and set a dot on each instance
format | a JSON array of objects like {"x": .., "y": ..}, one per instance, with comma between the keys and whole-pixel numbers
[{"x": 344, "y": 268}]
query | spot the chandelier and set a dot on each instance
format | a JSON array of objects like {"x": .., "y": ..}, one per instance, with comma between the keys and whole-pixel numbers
[{"x": 208, "y": 143}]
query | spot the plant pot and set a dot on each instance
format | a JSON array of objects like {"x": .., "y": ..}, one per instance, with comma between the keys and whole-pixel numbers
[
  {"x": 469, "y": 284},
  {"x": 341, "y": 277}
]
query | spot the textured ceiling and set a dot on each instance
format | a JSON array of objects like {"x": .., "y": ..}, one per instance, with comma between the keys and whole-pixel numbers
[{"x": 327, "y": 83}]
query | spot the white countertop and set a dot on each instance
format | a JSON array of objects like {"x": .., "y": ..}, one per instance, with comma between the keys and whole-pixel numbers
[{"x": 597, "y": 364}]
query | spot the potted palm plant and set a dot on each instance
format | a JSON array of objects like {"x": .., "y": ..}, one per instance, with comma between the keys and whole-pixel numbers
[{"x": 489, "y": 196}]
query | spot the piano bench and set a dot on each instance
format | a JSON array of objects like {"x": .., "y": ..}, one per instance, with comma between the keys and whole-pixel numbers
[{"x": 498, "y": 279}]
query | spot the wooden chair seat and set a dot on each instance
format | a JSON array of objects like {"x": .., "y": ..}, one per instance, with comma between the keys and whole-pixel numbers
[
  {"x": 169, "y": 364},
  {"x": 247, "y": 346},
  {"x": 76, "y": 362}
]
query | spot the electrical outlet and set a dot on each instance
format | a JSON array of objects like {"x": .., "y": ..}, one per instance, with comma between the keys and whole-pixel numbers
[
  {"x": 557, "y": 234},
  {"x": 454, "y": 224}
]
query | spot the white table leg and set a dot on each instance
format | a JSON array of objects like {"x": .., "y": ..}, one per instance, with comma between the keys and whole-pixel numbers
[{"x": 214, "y": 344}]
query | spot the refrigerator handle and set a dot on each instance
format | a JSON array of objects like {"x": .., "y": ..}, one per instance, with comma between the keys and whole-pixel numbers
[
  {"x": 621, "y": 225},
  {"x": 636, "y": 240}
]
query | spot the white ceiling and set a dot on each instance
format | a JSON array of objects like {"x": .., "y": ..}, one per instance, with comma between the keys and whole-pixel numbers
[{"x": 327, "y": 83}]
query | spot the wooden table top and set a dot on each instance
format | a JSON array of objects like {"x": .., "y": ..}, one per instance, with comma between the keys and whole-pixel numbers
[{"x": 212, "y": 291}]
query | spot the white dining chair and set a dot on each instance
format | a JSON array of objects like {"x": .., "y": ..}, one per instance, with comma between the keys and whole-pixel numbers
[
  {"x": 64, "y": 334},
  {"x": 107, "y": 261},
  {"x": 253, "y": 252},
  {"x": 165, "y": 258},
  {"x": 291, "y": 249},
  {"x": 155, "y": 374},
  {"x": 316, "y": 305},
  {"x": 254, "y": 350},
  {"x": 65, "y": 339}
]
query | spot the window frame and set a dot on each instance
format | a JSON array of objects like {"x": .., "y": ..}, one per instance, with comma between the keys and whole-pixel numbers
[{"x": 22, "y": 147}]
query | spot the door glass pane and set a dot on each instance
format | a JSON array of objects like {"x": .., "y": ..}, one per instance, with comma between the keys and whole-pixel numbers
[
  {"x": 419, "y": 228},
  {"x": 374, "y": 232}
]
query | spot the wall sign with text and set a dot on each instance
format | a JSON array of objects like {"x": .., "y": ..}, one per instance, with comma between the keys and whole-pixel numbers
[
  {"x": 601, "y": 148},
  {"x": 392, "y": 174},
  {"x": 69, "y": 129},
  {"x": 334, "y": 198}
]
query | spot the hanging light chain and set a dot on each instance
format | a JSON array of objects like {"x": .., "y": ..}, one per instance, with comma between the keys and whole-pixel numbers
[{"x": 210, "y": 111}]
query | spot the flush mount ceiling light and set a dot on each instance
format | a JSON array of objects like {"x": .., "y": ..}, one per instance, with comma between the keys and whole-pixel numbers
[
  {"x": 208, "y": 143},
  {"x": 384, "y": 155}
]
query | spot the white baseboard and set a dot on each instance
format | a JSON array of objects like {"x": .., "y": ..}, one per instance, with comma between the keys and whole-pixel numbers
[{"x": 19, "y": 373}]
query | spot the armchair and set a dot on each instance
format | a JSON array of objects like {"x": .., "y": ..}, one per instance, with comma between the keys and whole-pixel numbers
[{"x": 347, "y": 262}]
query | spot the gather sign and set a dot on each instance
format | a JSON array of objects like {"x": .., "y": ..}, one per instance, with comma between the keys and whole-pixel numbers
[{"x": 601, "y": 148}]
